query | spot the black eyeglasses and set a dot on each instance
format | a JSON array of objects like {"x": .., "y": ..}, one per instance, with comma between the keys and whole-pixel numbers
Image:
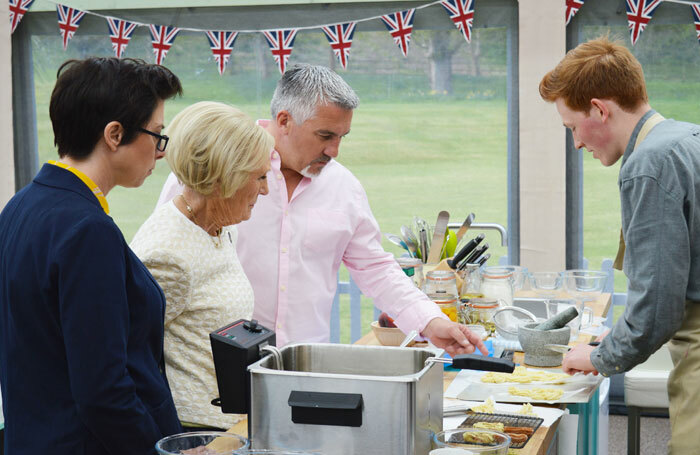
[{"x": 162, "y": 139}]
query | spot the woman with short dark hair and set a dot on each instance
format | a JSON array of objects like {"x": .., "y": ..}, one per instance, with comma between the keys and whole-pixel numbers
[{"x": 81, "y": 318}]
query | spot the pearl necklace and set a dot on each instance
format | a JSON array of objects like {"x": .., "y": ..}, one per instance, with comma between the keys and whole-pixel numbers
[{"x": 214, "y": 238}]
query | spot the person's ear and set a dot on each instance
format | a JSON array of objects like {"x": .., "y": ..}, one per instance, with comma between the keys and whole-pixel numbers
[
  {"x": 113, "y": 134},
  {"x": 600, "y": 109},
  {"x": 283, "y": 120}
]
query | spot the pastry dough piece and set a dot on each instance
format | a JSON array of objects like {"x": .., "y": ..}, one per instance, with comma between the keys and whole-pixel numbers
[
  {"x": 478, "y": 437},
  {"x": 495, "y": 426},
  {"x": 519, "y": 430},
  {"x": 527, "y": 410},
  {"x": 516, "y": 438},
  {"x": 537, "y": 393},
  {"x": 523, "y": 376},
  {"x": 489, "y": 407}
]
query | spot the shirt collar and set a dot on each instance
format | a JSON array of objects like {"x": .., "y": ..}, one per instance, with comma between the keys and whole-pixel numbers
[{"x": 633, "y": 138}]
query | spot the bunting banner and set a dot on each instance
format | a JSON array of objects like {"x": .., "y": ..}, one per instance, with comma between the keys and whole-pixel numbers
[
  {"x": 639, "y": 14},
  {"x": 572, "y": 7},
  {"x": 462, "y": 14},
  {"x": 340, "y": 35},
  {"x": 68, "y": 22},
  {"x": 120, "y": 32},
  {"x": 162, "y": 38},
  {"x": 340, "y": 38},
  {"x": 281, "y": 43},
  {"x": 18, "y": 8},
  {"x": 221, "y": 46},
  {"x": 400, "y": 25}
]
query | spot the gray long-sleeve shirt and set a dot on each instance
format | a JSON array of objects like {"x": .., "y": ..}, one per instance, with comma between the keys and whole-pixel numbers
[{"x": 660, "y": 202}]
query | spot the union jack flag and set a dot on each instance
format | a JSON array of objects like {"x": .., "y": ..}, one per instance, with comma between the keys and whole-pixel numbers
[
  {"x": 120, "y": 32},
  {"x": 221, "y": 46},
  {"x": 572, "y": 7},
  {"x": 462, "y": 14},
  {"x": 162, "y": 38},
  {"x": 18, "y": 8},
  {"x": 400, "y": 26},
  {"x": 281, "y": 43},
  {"x": 696, "y": 18},
  {"x": 638, "y": 16},
  {"x": 68, "y": 21},
  {"x": 340, "y": 37}
]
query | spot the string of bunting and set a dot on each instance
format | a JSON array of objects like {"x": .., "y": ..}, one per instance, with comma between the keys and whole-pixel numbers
[{"x": 340, "y": 36}]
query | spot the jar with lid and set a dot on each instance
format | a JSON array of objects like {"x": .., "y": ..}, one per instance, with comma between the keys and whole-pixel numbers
[
  {"x": 480, "y": 311},
  {"x": 440, "y": 282},
  {"x": 413, "y": 268},
  {"x": 497, "y": 283},
  {"x": 471, "y": 282},
  {"x": 447, "y": 303}
]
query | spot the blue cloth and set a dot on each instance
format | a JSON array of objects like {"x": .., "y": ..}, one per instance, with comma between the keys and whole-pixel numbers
[{"x": 81, "y": 328}]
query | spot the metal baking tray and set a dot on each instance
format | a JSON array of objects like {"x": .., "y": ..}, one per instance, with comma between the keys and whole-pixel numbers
[{"x": 508, "y": 420}]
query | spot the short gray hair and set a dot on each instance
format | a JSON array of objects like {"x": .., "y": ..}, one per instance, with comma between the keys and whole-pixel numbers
[{"x": 303, "y": 87}]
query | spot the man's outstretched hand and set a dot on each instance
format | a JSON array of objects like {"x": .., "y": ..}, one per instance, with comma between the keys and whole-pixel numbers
[{"x": 452, "y": 337}]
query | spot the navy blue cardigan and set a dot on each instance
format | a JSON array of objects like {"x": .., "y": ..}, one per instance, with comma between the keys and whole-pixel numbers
[{"x": 81, "y": 328}]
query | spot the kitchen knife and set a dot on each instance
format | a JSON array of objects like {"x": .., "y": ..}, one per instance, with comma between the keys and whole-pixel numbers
[
  {"x": 468, "y": 248},
  {"x": 564, "y": 348},
  {"x": 463, "y": 229},
  {"x": 471, "y": 259},
  {"x": 482, "y": 260},
  {"x": 423, "y": 237},
  {"x": 438, "y": 237}
]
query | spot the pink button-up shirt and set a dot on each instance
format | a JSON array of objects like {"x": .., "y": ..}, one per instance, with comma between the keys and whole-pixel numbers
[{"x": 291, "y": 250}]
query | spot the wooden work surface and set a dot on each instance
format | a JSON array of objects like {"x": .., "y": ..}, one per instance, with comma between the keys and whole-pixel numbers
[{"x": 542, "y": 439}]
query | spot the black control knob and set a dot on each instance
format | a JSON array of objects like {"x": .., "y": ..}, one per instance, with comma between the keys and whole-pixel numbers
[{"x": 253, "y": 326}]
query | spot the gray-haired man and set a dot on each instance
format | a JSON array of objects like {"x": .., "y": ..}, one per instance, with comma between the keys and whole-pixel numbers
[{"x": 316, "y": 217}]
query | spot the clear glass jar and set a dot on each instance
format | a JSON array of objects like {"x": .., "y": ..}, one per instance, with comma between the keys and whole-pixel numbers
[
  {"x": 413, "y": 268},
  {"x": 471, "y": 282},
  {"x": 480, "y": 311},
  {"x": 448, "y": 304},
  {"x": 440, "y": 282},
  {"x": 497, "y": 283}
]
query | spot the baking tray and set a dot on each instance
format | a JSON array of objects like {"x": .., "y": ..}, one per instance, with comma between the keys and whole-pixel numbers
[{"x": 508, "y": 420}]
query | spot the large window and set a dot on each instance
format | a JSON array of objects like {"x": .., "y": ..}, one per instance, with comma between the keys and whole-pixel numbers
[
  {"x": 430, "y": 133},
  {"x": 418, "y": 145}
]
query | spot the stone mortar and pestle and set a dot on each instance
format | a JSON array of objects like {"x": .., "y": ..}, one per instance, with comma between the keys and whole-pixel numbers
[{"x": 554, "y": 330}]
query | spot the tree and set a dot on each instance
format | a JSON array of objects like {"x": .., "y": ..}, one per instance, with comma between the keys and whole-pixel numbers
[{"x": 441, "y": 46}]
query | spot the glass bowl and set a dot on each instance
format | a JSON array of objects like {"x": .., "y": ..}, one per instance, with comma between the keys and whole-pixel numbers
[
  {"x": 546, "y": 284},
  {"x": 271, "y": 452},
  {"x": 584, "y": 284},
  {"x": 201, "y": 443},
  {"x": 508, "y": 319},
  {"x": 456, "y": 438}
]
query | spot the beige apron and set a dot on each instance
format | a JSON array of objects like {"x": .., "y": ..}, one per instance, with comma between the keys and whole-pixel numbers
[
  {"x": 648, "y": 125},
  {"x": 684, "y": 384}
]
